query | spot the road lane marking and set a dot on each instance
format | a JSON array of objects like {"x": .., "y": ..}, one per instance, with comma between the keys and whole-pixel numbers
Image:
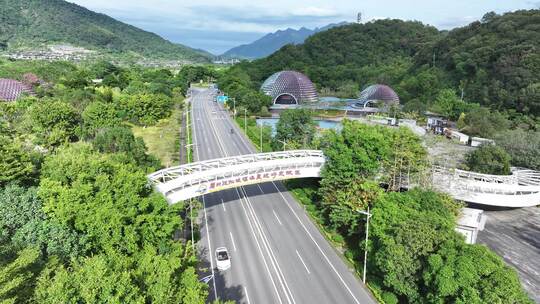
[
  {"x": 223, "y": 205},
  {"x": 247, "y": 295},
  {"x": 277, "y": 218},
  {"x": 232, "y": 239},
  {"x": 318, "y": 247},
  {"x": 302, "y": 260},
  {"x": 259, "y": 246},
  {"x": 210, "y": 256},
  {"x": 260, "y": 188},
  {"x": 268, "y": 248},
  {"x": 256, "y": 221},
  {"x": 308, "y": 233}
]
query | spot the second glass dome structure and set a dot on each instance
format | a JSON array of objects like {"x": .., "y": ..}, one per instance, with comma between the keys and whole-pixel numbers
[
  {"x": 290, "y": 88},
  {"x": 377, "y": 94}
]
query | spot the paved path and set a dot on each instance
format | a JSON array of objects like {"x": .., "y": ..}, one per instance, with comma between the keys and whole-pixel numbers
[
  {"x": 515, "y": 236},
  {"x": 277, "y": 254}
]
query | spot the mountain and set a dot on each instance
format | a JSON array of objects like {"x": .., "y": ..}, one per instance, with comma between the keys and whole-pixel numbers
[
  {"x": 38, "y": 23},
  {"x": 274, "y": 41},
  {"x": 347, "y": 53},
  {"x": 494, "y": 61}
]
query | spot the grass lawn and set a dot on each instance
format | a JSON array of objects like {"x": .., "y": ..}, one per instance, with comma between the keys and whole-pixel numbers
[{"x": 162, "y": 139}]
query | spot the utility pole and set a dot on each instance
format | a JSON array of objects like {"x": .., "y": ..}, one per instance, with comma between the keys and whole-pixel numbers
[
  {"x": 261, "y": 127},
  {"x": 234, "y": 107},
  {"x": 191, "y": 222},
  {"x": 187, "y": 147},
  {"x": 367, "y": 236},
  {"x": 188, "y": 127}
]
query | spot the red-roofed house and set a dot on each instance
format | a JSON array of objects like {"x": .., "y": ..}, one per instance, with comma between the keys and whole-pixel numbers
[{"x": 11, "y": 89}]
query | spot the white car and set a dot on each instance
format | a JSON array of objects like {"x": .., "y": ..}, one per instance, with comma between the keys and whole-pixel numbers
[{"x": 223, "y": 260}]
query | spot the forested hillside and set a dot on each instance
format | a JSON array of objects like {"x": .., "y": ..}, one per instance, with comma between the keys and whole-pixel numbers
[
  {"x": 342, "y": 54},
  {"x": 37, "y": 23},
  {"x": 494, "y": 62},
  {"x": 79, "y": 221}
]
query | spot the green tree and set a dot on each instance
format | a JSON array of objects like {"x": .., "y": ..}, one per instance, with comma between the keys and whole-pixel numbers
[
  {"x": 99, "y": 115},
  {"x": 461, "y": 121},
  {"x": 15, "y": 163},
  {"x": 406, "y": 160},
  {"x": 24, "y": 224},
  {"x": 106, "y": 199},
  {"x": 17, "y": 276},
  {"x": 92, "y": 280},
  {"x": 122, "y": 140},
  {"x": 53, "y": 122},
  {"x": 295, "y": 127},
  {"x": 462, "y": 273},
  {"x": 145, "y": 108},
  {"x": 356, "y": 152},
  {"x": 522, "y": 146},
  {"x": 485, "y": 123},
  {"x": 192, "y": 291},
  {"x": 489, "y": 159},
  {"x": 348, "y": 200},
  {"x": 449, "y": 105},
  {"x": 19, "y": 207},
  {"x": 407, "y": 228}
]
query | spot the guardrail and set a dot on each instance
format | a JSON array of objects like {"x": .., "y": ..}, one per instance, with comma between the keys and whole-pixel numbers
[
  {"x": 194, "y": 179},
  {"x": 520, "y": 189}
]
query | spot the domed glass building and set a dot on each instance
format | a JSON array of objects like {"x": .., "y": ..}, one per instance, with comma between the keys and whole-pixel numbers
[
  {"x": 376, "y": 94},
  {"x": 289, "y": 88}
]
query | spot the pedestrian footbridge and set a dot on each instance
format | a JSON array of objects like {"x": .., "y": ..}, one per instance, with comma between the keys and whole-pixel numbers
[
  {"x": 198, "y": 178},
  {"x": 521, "y": 189}
]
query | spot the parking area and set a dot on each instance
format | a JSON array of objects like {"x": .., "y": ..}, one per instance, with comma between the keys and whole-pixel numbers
[{"x": 515, "y": 236}]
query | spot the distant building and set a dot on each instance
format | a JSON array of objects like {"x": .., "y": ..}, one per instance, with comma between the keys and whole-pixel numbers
[
  {"x": 11, "y": 89},
  {"x": 478, "y": 141},
  {"x": 378, "y": 94},
  {"x": 290, "y": 88},
  {"x": 359, "y": 18},
  {"x": 461, "y": 137},
  {"x": 470, "y": 222},
  {"x": 436, "y": 123}
]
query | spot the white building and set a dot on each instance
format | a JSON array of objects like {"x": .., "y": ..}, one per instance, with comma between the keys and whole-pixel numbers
[
  {"x": 470, "y": 222},
  {"x": 478, "y": 141}
]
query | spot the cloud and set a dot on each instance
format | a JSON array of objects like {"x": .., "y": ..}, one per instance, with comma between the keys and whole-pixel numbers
[
  {"x": 451, "y": 23},
  {"x": 218, "y": 25},
  {"x": 314, "y": 12},
  {"x": 218, "y": 28}
]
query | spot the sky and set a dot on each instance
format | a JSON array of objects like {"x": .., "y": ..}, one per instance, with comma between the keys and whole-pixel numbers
[{"x": 217, "y": 25}]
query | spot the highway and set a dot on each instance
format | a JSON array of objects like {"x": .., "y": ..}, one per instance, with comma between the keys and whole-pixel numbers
[{"x": 277, "y": 254}]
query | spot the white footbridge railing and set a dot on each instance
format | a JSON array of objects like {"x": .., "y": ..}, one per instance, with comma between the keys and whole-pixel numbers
[
  {"x": 198, "y": 178},
  {"x": 521, "y": 189}
]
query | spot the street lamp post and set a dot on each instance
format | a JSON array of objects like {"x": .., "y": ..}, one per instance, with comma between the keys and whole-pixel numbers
[
  {"x": 260, "y": 137},
  {"x": 191, "y": 207},
  {"x": 187, "y": 146},
  {"x": 188, "y": 126},
  {"x": 191, "y": 224},
  {"x": 245, "y": 121},
  {"x": 283, "y": 142},
  {"x": 368, "y": 215}
]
